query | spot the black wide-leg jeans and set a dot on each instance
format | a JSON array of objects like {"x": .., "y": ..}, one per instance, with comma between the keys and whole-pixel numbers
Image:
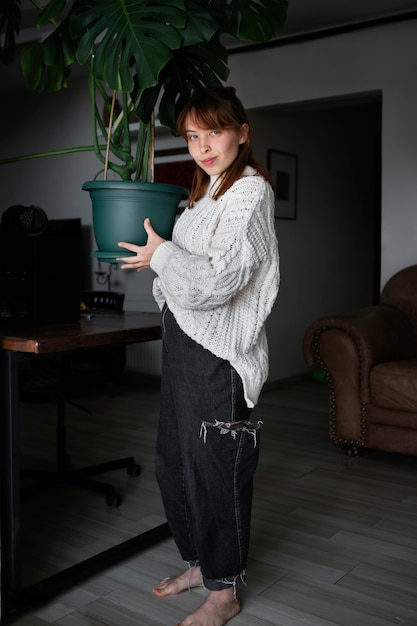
[{"x": 206, "y": 456}]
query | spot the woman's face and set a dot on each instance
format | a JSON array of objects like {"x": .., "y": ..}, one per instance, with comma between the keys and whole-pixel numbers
[{"x": 214, "y": 149}]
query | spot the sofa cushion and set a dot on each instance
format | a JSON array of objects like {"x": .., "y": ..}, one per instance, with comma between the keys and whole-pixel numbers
[{"x": 394, "y": 385}]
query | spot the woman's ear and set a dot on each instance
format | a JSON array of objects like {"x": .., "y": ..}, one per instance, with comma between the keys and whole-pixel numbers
[{"x": 244, "y": 132}]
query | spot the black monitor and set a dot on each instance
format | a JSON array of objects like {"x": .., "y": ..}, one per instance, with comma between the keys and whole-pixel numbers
[{"x": 40, "y": 267}]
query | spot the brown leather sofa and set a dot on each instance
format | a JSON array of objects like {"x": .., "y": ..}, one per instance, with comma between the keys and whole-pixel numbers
[{"x": 369, "y": 357}]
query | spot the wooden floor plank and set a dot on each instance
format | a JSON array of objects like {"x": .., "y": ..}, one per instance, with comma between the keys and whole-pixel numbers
[{"x": 334, "y": 538}]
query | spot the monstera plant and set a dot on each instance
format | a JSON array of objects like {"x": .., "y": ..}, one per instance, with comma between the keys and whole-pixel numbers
[{"x": 143, "y": 59}]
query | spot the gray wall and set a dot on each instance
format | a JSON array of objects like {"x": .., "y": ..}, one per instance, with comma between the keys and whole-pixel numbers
[
  {"x": 327, "y": 253},
  {"x": 380, "y": 59}
]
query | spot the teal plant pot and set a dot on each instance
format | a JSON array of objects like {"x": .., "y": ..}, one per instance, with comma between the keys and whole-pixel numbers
[{"x": 120, "y": 208}]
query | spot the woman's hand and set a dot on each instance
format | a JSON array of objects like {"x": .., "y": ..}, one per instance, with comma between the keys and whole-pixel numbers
[{"x": 144, "y": 254}]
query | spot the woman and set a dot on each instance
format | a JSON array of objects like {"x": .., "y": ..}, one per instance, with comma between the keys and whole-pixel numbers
[{"x": 216, "y": 284}]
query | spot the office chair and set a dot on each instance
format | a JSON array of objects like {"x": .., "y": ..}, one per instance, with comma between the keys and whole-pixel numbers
[{"x": 57, "y": 377}]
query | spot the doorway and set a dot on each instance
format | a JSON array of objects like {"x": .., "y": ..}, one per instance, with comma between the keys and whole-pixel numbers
[{"x": 330, "y": 253}]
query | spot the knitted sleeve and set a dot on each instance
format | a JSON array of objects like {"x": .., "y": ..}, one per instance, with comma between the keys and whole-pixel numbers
[{"x": 232, "y": 253}]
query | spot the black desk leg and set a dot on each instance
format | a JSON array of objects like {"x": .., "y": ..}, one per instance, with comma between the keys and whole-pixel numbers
[{"x": 10, "y": 486}]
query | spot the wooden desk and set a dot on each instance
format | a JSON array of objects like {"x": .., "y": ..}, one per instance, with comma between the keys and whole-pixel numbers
[{"x": 18, "y": 343}]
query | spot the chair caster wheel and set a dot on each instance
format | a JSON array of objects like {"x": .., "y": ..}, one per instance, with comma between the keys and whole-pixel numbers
[
  {"x": 134, "y": 471},
  {"x": 113, "y": 499}
]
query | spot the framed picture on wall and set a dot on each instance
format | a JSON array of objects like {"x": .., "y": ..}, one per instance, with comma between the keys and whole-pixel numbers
[{"x": 283, "y": 169}]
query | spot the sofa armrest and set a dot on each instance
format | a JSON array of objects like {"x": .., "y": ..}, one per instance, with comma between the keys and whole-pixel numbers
[
  {"x": 381, "y": 333},
  {"x": 346, "y": 347}
]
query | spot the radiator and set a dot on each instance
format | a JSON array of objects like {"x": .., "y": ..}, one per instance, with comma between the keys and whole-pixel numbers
[{"x": 143, "y": 357}]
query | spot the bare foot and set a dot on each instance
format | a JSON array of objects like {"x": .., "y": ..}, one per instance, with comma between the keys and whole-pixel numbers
[
  {"x": 171, "y": 586},
  {"x": 219, "y": 607}
]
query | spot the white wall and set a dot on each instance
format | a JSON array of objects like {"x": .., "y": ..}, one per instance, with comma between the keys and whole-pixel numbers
[{"x": 381, "y": 59}]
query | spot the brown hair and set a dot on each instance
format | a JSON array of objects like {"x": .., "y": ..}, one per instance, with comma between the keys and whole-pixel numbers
[{"x": 219, "y": 108}]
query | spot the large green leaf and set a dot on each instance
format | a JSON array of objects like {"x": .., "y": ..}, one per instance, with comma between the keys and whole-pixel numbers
[
  {"x": 128, "y": 37},
  {"x": 133, "y": 40},
  {"x": 46, "y": 64},
  {"x": 10, "y": 16},
  {"x": 200, "y": 26},
  {"x": 246, "y": 20},
  {"x": 32, "y": 64},
  {"x": 155, "y": 51},
  {"x": 257, "y": 20},
  {"x": 51, "y": 12},
  {"x": 201, "y": 65}
]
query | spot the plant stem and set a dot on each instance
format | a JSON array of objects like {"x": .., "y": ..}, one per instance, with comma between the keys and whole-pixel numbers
[
  {"x": 106, "y": 163},
  {"x": 41, "y": 155},
  {"x": 152, "y": 149}
]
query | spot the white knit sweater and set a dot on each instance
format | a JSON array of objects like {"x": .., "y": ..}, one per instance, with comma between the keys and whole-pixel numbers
[{"x": 220, "y": 275}]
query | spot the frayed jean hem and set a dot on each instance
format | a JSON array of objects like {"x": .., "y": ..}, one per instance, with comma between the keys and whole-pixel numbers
[
  {"x": 224, "y": 583},
  {"x": 218, "y": 584}
]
